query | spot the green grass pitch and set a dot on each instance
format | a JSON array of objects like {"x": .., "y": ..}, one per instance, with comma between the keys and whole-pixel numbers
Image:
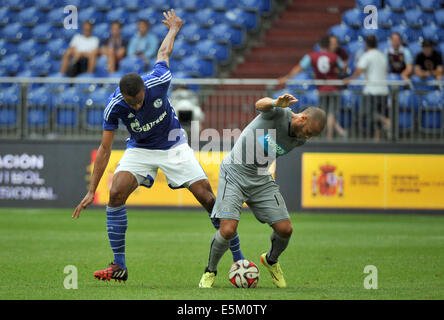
[{"x": 167, "y": 252}]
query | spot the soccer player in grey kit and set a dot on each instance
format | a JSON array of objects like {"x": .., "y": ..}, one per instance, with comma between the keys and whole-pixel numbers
[{"x": 244, "y": 177}]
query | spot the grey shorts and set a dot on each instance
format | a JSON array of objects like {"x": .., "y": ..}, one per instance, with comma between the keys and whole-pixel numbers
[{"x": 260, "y": 193}]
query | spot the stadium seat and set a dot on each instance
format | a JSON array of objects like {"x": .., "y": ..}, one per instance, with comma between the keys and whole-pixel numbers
[
  {"x": 263, "y": 6},
  {"x": 101, "y": 69},
  {"x": 129, "y": 30},
  {"x": 192, "y": 33},
  {"x": 208, "y": 17},
  {"x": 303, "y": 76},
  {"x": 132, "y": 5},
  {"x": 241, "y": 18},
  {"x": 103, "y": 5},
  {"x": 353, "y": 18},
  {"x": 31, "y": 16},
  {"x": 433, "y": 32},
  {"x": 197, "y": 67},
  {"x": 9, "y": 101},
  {"x": 56, "y": 17},
  {"x": 414, "y": 18},
  {"x": 431, "y": 111},
  {"x": 41, "y": 65},
  {"x": 407, "y": 100},
  {"x": 7, "y": 16},
  {"x": 381, "y": 34},
  {"x": 101, "y": 31},
  {"x": 363, "y": 3},
  {"x": 160, "y": 31},
  {"x": 58, "y": 86},
  {"x": 152, "y": 15},
  {"x": 356, "y": 47},
  {"x": 43, "y": 32},
  {"x": 160, "y": 5},
  {"x": 186, "y": 16},
  {"x": 440, "y": 48},
  {"x": 415, "y": 48},
  {"x": 209, "y": 49},
  {"x": 225, "y": 33},
  {"x": 85, "y": 87},
  {"x": 12, "y": 64},
  {"x": 29, "y": 49},
  {"x": 386, "y": 18},
  {"x": 94, "y": 106},
  {"x": 406, "y": 32},
  {"x": 122, "y": 15},
  {"x": 15, "y": 32},
  {"x": 400, "y": 5},
  {"x": 439, "y": 17},
  {"x": 429, "y": 5},
  {"x": 182, "y": 49},
  {"x": 39, "y": 106},
  {"x": 67, "y": 106},
  {"x": 222, "y": 5},
  {"x": 422, "y": 84},
  {"x": 45, "y": 5},
  {"x": 56, "y": 48},
  {"x": 343, "y": 32},
  {"x": 17, "y": 5},
  {"x": 7, "y": 48},
  {"x": 132, "y": 64},
  {"x": 92, "y": 15},
  {"x": 68, "y": 34},
  {"x": 192, "y": 5}
]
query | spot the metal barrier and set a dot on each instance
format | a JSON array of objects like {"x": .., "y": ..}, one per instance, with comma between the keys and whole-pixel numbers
[{"x": 72, "y": 108}]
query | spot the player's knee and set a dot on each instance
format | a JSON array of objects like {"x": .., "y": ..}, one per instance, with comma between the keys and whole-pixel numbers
[
  {"x": 284, "y": 230},
  {"x": 116, "y": 198},
  {"x": 227, "y": 230}
]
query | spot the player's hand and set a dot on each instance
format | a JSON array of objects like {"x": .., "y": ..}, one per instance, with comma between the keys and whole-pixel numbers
[
  {"x": 87, "y": 200},
  {"x": 285, "y": 101},
  {"x": 172, "y": 21}
]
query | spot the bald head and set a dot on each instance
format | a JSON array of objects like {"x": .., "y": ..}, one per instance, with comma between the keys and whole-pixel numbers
[{"x": 316, "y": 119}]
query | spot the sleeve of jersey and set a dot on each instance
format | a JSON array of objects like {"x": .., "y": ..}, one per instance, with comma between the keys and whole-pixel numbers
[
  {"x": 160, "y": 77},
  {"x": 268, "y": 115},
  {"x": 110, "y": 117}
]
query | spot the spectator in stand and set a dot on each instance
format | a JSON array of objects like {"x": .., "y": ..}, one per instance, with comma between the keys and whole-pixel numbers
[
  {"x": 341, "y": 52},
  {"x": 325, "y": 65},
  {"x": 428, "y": 63},
  {"x": 144, "y": 44},
  {"x": 82, "y": 53},
  {"x": 114, "y": 48},
  {"x": 400, "y": 60},
  {"x": 373, "y": 66}
]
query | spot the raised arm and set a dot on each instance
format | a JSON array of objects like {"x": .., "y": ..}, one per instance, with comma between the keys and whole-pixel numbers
[
  {"x": 100, "y": 164},
  {"x": 267, "y": 104},
  {"x": 173, "y": 23}
]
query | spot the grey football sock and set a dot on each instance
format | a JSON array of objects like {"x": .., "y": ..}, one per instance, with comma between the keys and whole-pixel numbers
[
  {"x": 218, "y": 247},
  {"x": 278, "y": 245}
]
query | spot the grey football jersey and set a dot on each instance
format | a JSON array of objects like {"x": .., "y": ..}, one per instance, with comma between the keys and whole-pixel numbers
[{"x": 265, "y": 138}]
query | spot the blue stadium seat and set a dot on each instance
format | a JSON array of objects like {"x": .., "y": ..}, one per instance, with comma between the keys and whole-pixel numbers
[
  {"x": 101, "y": 31},
  {"x": 225, "y": 33},
  {"x": 263, "y": 6},
  {"x": 431, "y": 111},
  {"x": 41, "y": 65},
  {"x": 186, "y": 16},
  {"x": 414, "y": 18},
  {"x": 92, "y": 15},
  {"x": 208, "y": 17},
  {"x": 439, "y": 17},
  {"x": 353, "y": 18},
  {"x": 304, "y": 86},
  {"x": 197, "y": 67},
  {"x": 45, "y": 5},
  {"x": 421, "y": 84},
  {"x": 7, "y": 48},
  {"x": 39, "y": 105},
  {"x": 9, "y": 101},
  {"x": 182, "y": 49},
  {"x": 192, "y": 33},
  {"x": 241, "y": 18},
  {"x": 58, "y": 86},
  {"x": 132, "y": 64},
  {"x": 160, "y": 31},
  {"x": 386, "y": 18},
  {"x": 101, "y": 67},
  {"x": 15, "y": 32},
  {"x": 7, "y": 16},
  {"x": 17, "y": 4},
  {"x": 209, "y": 49},
  {"x": 85, "y": 87},
  {"x": 400, "y": 5},
  {"x": 381, "y": 34},
  {"x": 56, "y": 48},
  {"x": 363, "y": 3},
  {"x": 31, "y": 16},
  {"x": 56, "y": 17},
  {"x": 355, "y": 47},
  {"x": 407, "y": 33},
  {"x": 68, "y": 34},
  {"x": 440, "y": 48},
  {"x": 433, "y": 32},
  {"x": 343, "y": 32},
  {"x": 94, "y": 106},
  {"x": 192, "y": 5},
  {"x": 222, "y": 5},
  {"x": 407, "y": 100},
  {"x": 132, "y": 5},
  {"x": 160, "y": 4},
  {"x": 12, "y": 64},
  {"x": 67, "y": 105},
  {"x": 43, "y": 32},
  {"x": 415, "y": 48},
  {"x": 103, "y": 5},
  {"x": 129, "y": 30},
  {"x": 29, "y": 49},
  {"x": 429, "y": 5},
  {"x": 122, "y": 15},
  {"x": 152, "y": 15}
]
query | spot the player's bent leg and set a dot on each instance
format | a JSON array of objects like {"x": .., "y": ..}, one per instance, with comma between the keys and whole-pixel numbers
[
  {"x": 204, "y": 194},
  {"x": 280, "y": 238},
  {"x": 124, "y": 183},
  {"x": 219, "y": 245}
]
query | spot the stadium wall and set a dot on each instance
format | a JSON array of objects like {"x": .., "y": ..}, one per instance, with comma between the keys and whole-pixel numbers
[{"x": 318, "y": 177}]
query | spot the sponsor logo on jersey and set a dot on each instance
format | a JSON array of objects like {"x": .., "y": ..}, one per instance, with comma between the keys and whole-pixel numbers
[
  {"x": 271, "y": 146},
  {"x": 135, "y": 126}
]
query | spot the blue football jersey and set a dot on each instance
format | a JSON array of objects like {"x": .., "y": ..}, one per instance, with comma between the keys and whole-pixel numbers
[{"x": 155, "y": 125}]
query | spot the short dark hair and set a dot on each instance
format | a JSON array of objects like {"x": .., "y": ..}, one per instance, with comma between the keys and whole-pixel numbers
[
  {"x": 427, "y": 43},
  {"x": 316, "y": 117},
  {"x": 324, "y": 42},
  {"x": 131, "y": 84},
  {"x": 116, "y": 22},
  {"x": 371, "y": 41}
]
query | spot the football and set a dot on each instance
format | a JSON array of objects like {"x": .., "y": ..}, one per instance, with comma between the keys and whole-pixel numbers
[{"x": 244, "y": 274}]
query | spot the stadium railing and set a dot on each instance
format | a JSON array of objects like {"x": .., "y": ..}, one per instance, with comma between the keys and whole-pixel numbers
[{"x": 72, "y": 108}]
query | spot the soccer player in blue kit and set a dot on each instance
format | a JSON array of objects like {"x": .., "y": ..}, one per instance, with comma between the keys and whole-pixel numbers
[{"x": 156, "y": 140}]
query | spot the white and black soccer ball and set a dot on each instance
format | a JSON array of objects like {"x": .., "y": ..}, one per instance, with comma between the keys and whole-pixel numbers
[{"x": 244, "y": 274}]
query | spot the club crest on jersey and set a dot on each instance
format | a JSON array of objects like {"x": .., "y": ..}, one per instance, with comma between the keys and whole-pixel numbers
[
  {"x": 130, "y": 115},
  {"x": 158, "y": 103}
]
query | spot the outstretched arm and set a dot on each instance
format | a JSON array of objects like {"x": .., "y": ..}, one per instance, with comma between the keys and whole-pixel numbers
[
  {"x": 100, "y": 164},
  {"x": 173, "y": 23},
  {"x": 267, "y": 104}
]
